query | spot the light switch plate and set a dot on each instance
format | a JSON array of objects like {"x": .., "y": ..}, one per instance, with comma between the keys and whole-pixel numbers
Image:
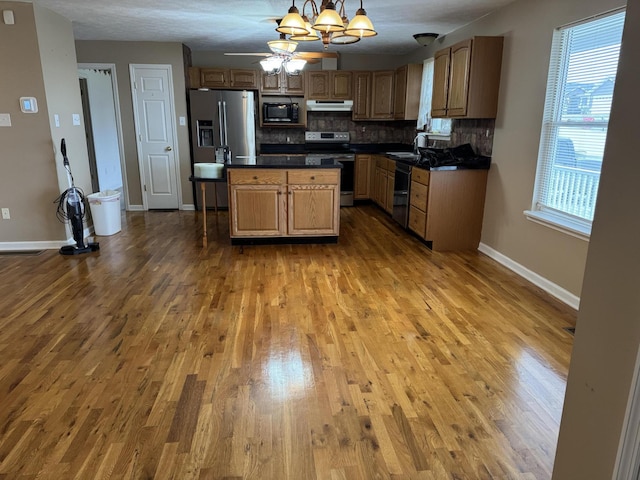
[
  {"x": 183, "y": 121},
  {"x": 56, "y": 119},
  {"x": 76, "y": 119},
  {"x": 5, "y": 120}
]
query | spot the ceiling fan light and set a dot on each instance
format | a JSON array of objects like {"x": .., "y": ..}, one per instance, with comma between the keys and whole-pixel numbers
[
  {"x": 282, "y": 46},
  {"x": 360, "y": 25},
  {"x": 311, "y": 34},
  {"x": 271, "y": 65},
  {"x": 425, "y": 39},
  {"x": 329, "y": 20},
  {"x": 294, "y": 66},
  {"x": 292, "y": 23}
]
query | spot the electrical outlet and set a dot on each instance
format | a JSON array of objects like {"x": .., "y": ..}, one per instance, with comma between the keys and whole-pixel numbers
[{"x": 5, "y": 214}]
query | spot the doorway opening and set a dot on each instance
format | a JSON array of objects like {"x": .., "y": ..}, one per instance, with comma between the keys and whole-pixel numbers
[{"x": 101, "y": 110}]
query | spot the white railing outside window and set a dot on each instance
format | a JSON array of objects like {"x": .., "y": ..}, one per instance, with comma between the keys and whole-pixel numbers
[{"x": 582, "y": 74}]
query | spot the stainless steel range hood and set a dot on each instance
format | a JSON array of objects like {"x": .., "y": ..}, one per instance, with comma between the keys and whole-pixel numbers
[{"x": 329, "y": 105}]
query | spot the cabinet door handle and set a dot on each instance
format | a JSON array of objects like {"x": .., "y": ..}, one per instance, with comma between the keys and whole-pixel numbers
[
  {"x": 255, "y": 177},
  {"x": 313, "y": 178},
  {"x": 290, "y": 192}
]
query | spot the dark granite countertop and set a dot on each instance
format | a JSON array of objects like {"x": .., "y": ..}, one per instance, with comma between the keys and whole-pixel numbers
[{"x": 283, "y": 161}]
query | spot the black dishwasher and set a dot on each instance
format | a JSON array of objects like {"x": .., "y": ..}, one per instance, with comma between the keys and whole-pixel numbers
[{"x": 401, "y": 194}]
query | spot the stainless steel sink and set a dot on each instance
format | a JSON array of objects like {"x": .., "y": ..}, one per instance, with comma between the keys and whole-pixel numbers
[{"x": 406, "y": 155}]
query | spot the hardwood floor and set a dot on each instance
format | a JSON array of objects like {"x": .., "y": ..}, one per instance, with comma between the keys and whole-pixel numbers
[{"x": 371, "y": 359}]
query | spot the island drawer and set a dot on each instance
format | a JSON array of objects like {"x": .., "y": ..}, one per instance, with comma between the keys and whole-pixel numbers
[
  {"x": 314, "y": 176},
  {"x": 420, "y": 175},
  {"x": 259, "y": 176},
  {"x": 418, "y": 197}
]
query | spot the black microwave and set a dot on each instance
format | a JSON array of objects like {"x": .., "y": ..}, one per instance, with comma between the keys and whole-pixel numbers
[{"x": 280, "y": 112}]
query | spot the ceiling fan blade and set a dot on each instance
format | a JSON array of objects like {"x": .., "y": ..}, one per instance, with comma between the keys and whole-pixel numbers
[
  {"x": 254, "y": 54},
  {"x": 315, "y": 55}
]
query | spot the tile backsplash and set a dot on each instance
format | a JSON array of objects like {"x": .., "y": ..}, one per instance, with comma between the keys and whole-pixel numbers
[
  {"x": 477, "y": 132},
  {"x": 361, "y": 132}
]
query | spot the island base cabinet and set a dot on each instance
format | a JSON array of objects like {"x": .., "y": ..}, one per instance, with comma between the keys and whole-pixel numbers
[
  {"x": 256, "y": 210},
  {"x": 314, "y": 210},
  {"x": 284, "y": 203}
]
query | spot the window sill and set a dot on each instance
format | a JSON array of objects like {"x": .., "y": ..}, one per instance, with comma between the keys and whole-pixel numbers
[
  {"x": 560, "y": 223},
  {"x": 438, "y": 136}
]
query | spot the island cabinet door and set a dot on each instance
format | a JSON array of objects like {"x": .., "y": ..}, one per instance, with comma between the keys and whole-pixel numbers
[
  {"x": 257, "y": 210},
  {"x": 314, "y": 209}
]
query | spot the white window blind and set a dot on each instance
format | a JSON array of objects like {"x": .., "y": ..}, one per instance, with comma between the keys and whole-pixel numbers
[
  {"x": 433, "y": 126},
  {"x": 582, "y": 74}
]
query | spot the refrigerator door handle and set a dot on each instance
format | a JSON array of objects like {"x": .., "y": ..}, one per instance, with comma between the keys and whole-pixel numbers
[
  {"x": 226, "y": 133},
  {"x": 220, "y": 125}
]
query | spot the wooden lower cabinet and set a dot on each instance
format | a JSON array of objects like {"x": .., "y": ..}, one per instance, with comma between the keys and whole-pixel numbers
[
  {"x": 446, "y": 207},
  {"x": 284, "y": 202},
  {"x": 362, "y": 174},
  {"x": 383, "y": 182}
]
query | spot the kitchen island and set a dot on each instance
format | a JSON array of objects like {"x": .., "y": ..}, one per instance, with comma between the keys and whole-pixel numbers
[{"x": 283, "y": 199}]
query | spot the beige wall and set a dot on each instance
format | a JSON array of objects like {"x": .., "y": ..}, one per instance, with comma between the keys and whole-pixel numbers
[
  {"x": 608, "y": 331},
  {"x": 122, "y": 54},
  {"x": 59, "y": 71},
  {"x": 29, "y": 182},
  {"x": 527, "y": 27}
]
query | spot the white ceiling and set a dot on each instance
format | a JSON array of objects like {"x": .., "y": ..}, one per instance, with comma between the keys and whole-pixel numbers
[{"x": 246, "y": 25}]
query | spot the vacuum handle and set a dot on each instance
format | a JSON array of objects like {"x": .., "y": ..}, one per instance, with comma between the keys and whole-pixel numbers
[{"x": 63, "y": 150}]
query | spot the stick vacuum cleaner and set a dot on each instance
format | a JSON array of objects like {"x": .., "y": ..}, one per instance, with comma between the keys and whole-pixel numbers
[{"x": 71, "y": 208}]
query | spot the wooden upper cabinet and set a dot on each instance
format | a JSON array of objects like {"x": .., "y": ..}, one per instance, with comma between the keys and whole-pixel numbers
[
  {"x": 223, "y": 78},
  {"x": 243, "y": 79},
  {"x": 459, "y": 65},
  {"x": 382, "y": 98},
  {"x": 329, "y": 85},
  {"x": 318, "y": 85},
  {"x": 467, "y": 75},
  {"x": 341, "y": 85},
  {"x": 361, "y": 96},
  {"x": 214, "y": 77},
  {"x": 408, "y": 82},
  {"x": 293, "y": 84},
  {"x": 282, "y": 84},
  {"x": 440, "y": 92},
  {"x": 193, "y": 77}
]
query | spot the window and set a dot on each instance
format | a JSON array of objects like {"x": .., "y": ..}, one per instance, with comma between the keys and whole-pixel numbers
[
  {"x": 582, "y": 74},
  {"x": 433, "y": 126}
]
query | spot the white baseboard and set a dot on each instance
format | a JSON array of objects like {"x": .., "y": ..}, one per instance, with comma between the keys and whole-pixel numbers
[
  {"x": 135, "y": 208},
  {"x": 189, "y": 207},
  {"x": 26, "y": 246},
  {"x": 551, "y": 288},
  {"x": 43, "y": 245}
]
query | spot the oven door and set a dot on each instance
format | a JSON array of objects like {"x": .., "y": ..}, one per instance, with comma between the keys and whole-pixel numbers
[
  {"x": 401, "y": 194},
  {"x": 347, "y": 178}
]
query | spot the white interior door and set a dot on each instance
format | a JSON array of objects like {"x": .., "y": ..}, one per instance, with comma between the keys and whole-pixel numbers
[{"x": 152, "y": 92}]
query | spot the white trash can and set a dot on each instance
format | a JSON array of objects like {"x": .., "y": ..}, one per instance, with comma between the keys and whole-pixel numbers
[{"x": 105, "y": 210}]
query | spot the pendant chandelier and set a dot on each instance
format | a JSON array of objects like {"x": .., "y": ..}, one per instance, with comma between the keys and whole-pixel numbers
[{"x": 328, "y": 23}]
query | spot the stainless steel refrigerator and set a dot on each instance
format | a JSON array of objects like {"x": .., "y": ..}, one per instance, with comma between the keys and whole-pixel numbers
[{"x": 221, "y": 119}]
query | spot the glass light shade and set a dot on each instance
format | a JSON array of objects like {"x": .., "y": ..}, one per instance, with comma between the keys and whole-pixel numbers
[
  {"x": 294, "y": 65},
  {"x": 360, "y": 25},
  {"x": 282, "y": 46},
  {"x": 311, "y": 34},
  {"x": 329, "y": 20},
  {"x": 292, "y": 23},
  {"x": 271, "y": 64},
  {"x": 340, "y": 38}
]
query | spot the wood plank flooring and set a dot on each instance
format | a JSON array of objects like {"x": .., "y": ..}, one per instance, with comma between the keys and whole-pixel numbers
[{"x": 371, "y": 359}]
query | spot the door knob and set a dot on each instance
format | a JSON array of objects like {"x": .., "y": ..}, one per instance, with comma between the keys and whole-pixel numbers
[{"x": 168, "y": 149}]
